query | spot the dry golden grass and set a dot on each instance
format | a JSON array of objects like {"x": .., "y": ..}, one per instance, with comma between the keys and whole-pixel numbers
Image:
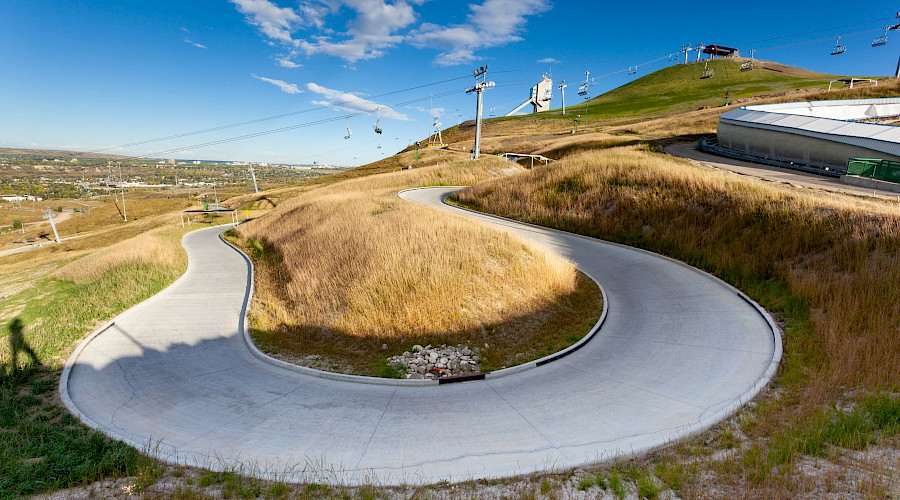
[
  {"x": 352, "y": 264},
  {"x": 146, "y": 248},
  {"x": 839, "y": 255},
  {"x": 826, "y": 265}
]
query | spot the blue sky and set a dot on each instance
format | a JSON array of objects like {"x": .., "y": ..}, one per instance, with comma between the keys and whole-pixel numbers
[{"x": 85, "y": 75}]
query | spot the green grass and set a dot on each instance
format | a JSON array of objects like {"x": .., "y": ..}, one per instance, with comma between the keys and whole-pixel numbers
[
  {"x": 585, "y": 483},
  {"x": 43, "y": 447},
  {"x": 679, "y": 88}
]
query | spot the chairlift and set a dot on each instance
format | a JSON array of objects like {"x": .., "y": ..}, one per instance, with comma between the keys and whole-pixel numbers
[
  {"x": 838, "y": 48},
  {"x": 632, "y": 70},
  {"x": 583, "y": 88},
  {"x": 378, "y": 119},
  {"x": 880, "y": 40},
  {"x": 707, "y": 72},
  {"x": 747, "y": 66},
  {"x": 349, "y": 132}
]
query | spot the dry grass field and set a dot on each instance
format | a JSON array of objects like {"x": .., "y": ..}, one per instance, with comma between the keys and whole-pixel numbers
[
  {"x": 345, "y": 268},
  {"x": 825, "y": 265}
]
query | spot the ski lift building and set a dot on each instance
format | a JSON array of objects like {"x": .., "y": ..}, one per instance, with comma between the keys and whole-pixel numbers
[
  {"x": 541, "y": 94},
  {"x": 721, "y": 51}
]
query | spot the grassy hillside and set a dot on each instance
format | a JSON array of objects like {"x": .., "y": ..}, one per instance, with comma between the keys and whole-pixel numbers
[{"x": 681, "y": 88}]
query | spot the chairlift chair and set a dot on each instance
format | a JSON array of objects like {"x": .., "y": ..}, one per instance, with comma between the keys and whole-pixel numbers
[
  {"x": 707, "y": 72},
  {"x": 349, "y": 132},
  {"x": 747, "y": 66},
  {"x": 838, "y": 48},
  {"x": 583, "y": 88},
  {"x": 880, "y": 40},
  {"x": 377, "y": 120},
  {"x": 632, "y": 70}
]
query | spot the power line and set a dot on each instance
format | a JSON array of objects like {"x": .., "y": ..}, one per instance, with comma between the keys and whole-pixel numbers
[
  {"x": 507, "y": 83},
  {"x": 267, "y": 118},
  {"x": 280, "y": 129}
]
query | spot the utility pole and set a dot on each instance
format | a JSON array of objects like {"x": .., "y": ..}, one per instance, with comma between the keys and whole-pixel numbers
[
  {"x": 48, "y": 214},
  {"x": 479, "y": 90},
  {"x": 216, "y": 195},
  {"x": 562, "y": 88},
  {"x": 458, "y": 116},
  {"x": 124, "y": 212},
  {"x": 253, "y": 174}
]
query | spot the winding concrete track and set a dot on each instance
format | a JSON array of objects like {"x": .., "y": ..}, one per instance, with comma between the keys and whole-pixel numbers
[{"x": 678, "y": 352}]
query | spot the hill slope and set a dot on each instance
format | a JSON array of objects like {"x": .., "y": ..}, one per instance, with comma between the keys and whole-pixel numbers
[{"x": 682, "y": 88}]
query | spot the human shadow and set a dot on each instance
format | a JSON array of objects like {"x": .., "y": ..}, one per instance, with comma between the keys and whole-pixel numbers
[{"x": 17, "y": 343}]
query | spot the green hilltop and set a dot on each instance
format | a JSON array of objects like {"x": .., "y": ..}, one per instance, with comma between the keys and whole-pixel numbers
[{"x": 682, "y": 88}]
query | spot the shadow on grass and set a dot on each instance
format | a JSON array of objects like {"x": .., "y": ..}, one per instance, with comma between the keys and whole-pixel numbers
[
  {"x": 17, "y": 343},
  {"x": 42, "y": 447}
]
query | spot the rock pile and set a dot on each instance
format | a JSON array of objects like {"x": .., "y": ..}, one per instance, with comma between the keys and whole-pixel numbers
[{"x": 438, "y": 362}]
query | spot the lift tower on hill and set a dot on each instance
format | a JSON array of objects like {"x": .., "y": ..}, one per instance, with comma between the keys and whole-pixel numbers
[{"x": 479, "y": 89}]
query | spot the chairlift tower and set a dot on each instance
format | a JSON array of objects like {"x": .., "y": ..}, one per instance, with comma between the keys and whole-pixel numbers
[
  {"x": 562, "y": 90},
  {"x": 48, "y": 214},
  {"x": 253, "y": 174},
  {"x": 882, "y": 40},
  {"x": 479, "y": 90},
  {"x": 699, "y": 49},
  {"x": 436, "y": 139},
  {"x": 685, "y": 48}
]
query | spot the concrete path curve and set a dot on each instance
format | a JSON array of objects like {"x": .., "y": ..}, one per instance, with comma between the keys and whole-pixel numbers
[{"x": 678, "y": 352}]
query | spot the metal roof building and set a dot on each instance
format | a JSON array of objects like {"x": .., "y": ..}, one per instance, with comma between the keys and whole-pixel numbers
[{"x": 823, "y": 132}]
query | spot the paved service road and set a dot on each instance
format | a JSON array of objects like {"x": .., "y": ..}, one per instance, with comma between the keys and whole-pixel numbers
[
  {"x": 678, "y": 352},
  {"x": 794, "y": 178}
]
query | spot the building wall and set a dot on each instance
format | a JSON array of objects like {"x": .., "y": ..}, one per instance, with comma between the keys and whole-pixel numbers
[{"x": 792, "y": 146}]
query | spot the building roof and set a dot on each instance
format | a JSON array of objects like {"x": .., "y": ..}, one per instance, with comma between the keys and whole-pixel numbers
[{"x": 828, "y": 120}]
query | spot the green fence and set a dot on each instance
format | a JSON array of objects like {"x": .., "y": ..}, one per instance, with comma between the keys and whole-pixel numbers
[{"x": 883, "y": 170}]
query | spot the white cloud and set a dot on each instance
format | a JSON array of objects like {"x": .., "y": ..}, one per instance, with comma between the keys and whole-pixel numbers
[
  {"x": 273, "y": 21},
  {"x": 548, "y": 60},
  {"x": 346, "y": 101},
  {"x": 287, "y": 63},
  {"x": 432, "y": 113},
  {"x": 490, "y": 24},
  {"x": 378, "y": 25},
  {"x": 369, "y": 33},
  {"x": 195, "y": 44},
  {"x": 290, "y": 88}
]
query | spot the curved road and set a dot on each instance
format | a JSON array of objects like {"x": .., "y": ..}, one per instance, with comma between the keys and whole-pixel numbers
[{"x": 678, "y": 352}]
